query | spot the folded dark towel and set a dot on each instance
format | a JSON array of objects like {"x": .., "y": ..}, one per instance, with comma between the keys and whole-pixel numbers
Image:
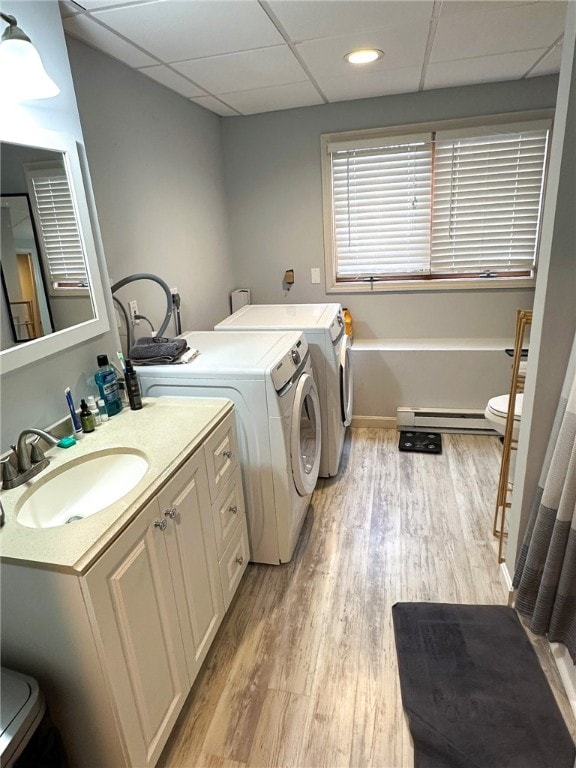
[{"x": 157, "y": 350}]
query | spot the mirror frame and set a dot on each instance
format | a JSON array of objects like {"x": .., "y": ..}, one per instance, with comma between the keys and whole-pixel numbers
[{"x": 31, "y": 351}]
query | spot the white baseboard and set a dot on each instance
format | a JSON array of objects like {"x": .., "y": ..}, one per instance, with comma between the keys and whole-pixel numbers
[
  {"x": 506, "y": 580},
  {"x": 567, "y": 671},
  {"x": 374, "y": 422}
]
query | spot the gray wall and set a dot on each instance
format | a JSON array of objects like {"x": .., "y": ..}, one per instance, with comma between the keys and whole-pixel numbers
[
  {"x": 33, "y": 396},
  {"x": 554, "y": 319},
  {"x": 157, "y": 173},
  {"x": 273, "y": 182}
]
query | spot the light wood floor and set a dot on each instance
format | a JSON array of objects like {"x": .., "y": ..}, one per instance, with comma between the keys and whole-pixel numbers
[{"x": 303, "y": 671}]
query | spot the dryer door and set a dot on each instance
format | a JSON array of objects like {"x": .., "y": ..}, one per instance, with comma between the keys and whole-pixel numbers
[
  {"x": 305, "y": 435},
  {"x": 346, "y": 382}
]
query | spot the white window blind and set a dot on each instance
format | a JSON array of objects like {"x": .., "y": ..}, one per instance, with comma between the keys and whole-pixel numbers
[
  {"x": 57, "y": 227},
  {"x": 440, "y": 205},
  {"x": 381, "y": 208},
  {"x": 487, "y": 193}
]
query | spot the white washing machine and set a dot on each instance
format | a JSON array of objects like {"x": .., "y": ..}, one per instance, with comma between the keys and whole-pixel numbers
[
  {"x": 323, "y": 326},
  {"x": 269, "y": 379}
]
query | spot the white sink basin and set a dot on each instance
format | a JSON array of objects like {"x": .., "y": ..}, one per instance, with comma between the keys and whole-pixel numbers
[{"x": 81, "y": 488}]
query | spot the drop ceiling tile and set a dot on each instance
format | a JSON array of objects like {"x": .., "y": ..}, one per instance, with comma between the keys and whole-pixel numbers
[
  {"x": 67, "y": 8},
  {"x": 454, "y": 7},
  {"x": 403, "y": 47},
  {"x": 549, "y": 65},
  {"x": 214, "y": 105},
  {"x": 165, "y": 76},
  {"x": 93, "y": 33},
  {"x": 274, "y": 98},
  {"x": 485, "y": 69},
  {"x": 177, "y": 30},
  {"x": 503, "y": 30},
  {"x": 311, "y": 19},
  {"x": 371, "y": 84},
  {"x": 244, "y": 71},
  {"x": 91, "y": 5}
]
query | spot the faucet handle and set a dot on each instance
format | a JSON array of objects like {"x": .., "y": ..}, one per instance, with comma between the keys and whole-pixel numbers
[
  {"x": 9, "y": 471},
  {"x": 36, "y": 453}
]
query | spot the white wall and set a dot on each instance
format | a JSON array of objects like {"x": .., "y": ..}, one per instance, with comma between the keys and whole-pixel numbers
[
  {"x": 34, "y": 395},
  {"x": 157, "y": 173},
  {"x": 273, "y": 182}
]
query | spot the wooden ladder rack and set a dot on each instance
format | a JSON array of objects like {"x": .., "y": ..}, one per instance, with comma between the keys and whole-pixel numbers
[{"x": 505, "y": 487}]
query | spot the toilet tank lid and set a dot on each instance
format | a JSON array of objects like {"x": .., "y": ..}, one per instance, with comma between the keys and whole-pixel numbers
[{"x": 22, "y": 706}]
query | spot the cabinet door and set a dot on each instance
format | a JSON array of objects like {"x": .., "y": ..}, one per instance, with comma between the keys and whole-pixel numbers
[
  {"x": 234, "y": 562},
  {"x": 221, "y": 456},
  {"x": 228, "y": 511},
  {"x": 185, "y": 504},
  {"x": 135, "y": 616}
]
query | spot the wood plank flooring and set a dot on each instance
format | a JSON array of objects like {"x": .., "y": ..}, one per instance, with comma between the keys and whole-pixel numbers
[{"x": 303, "y": 671}]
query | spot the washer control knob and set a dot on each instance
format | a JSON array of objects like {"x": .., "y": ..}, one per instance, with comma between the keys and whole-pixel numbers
[{"x": 296, "y": 359}]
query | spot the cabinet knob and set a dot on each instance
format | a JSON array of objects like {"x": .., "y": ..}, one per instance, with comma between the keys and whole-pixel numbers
[
  {"x": 160, "y": 524},
  {"x": 171, "y": 512},
  {"x": 228, "y": 454},
  {"x": 233, "y": 509},
  {"x": 239, "y": 560}
]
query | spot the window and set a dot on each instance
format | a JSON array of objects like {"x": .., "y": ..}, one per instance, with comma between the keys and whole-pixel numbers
[
  {"x": 456, "y": 203},
  {"x": 56, "y": 222}
]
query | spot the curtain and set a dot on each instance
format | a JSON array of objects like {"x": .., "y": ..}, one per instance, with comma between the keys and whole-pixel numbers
[{"x": 546, "y": 572}]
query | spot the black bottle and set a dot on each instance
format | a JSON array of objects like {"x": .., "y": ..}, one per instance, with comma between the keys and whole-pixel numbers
[{"x": 132, "y": 387}]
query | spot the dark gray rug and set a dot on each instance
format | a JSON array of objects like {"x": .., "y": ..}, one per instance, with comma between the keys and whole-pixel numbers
[{"x": 473, "y": 690}]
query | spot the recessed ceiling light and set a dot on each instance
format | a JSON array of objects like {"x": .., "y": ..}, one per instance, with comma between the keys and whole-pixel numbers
[{"x": 364, "y": 56}]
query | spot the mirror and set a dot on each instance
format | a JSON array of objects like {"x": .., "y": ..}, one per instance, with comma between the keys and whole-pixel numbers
[
  {"x": 51, "y": 291},
  {"x": 23, "y": 284}
]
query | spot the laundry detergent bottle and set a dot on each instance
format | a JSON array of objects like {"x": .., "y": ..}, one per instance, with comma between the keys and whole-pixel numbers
[{"x": 107, "y": 383}]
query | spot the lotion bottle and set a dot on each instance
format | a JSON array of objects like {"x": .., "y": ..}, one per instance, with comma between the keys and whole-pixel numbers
[
  {"x": 132, "y": 387},
  {"x": 93, "y": 408}
]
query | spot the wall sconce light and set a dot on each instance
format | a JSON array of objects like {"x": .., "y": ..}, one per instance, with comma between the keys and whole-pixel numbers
[{"x": 22, "y": 74}]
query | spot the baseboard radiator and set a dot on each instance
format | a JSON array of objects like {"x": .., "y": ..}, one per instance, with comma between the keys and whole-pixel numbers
[{"x": 459, "y": 420}]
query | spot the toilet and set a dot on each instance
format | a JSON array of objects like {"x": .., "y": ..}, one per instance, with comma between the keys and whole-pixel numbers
[{"x": 496, "y": 413}]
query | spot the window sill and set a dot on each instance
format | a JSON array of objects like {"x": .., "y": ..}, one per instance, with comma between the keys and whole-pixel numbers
[{"x": 409, "y": 286}]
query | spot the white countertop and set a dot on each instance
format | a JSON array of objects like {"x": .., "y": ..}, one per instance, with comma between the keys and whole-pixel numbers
[{"x": 167, "y": 430}]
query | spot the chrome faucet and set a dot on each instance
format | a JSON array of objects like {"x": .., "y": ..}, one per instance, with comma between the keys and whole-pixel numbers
[{"x": 29, "y": 464}]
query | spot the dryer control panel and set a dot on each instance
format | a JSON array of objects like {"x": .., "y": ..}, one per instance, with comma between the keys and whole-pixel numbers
[{"x": 284, "y": 371}]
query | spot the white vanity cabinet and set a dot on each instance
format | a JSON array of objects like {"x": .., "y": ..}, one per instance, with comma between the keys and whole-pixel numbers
[{"x": 130, "y": 634}]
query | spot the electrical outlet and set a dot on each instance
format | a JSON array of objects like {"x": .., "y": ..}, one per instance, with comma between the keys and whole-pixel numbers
[{"x": 133, "y": 307}]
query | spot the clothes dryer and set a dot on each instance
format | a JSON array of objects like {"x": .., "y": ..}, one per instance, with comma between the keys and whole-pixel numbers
[
  {"x": 269, "y": 379},
  {"x": 323, "y": 326}
]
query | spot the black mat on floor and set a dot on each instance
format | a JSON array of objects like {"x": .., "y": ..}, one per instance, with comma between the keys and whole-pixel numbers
[
  {"x": 421, "y": 442},
  {"x": 473, "y": 690}
]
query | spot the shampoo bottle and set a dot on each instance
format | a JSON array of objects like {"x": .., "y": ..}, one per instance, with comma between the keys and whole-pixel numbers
[
  {"x": 132, "y": 387},
  {"x": 107, "y": 383}
]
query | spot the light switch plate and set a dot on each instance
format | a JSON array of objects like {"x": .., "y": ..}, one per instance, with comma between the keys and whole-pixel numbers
[{"x": 315, "y": 275}]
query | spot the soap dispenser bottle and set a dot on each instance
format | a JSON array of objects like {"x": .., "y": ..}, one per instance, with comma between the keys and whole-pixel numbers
[{"x": 132, "y": 386}]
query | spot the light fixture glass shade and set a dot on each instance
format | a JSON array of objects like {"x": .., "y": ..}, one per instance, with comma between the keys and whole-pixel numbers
[
  {"x": 22, "y": 74},
  {"x": 364, "y": 56}
]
